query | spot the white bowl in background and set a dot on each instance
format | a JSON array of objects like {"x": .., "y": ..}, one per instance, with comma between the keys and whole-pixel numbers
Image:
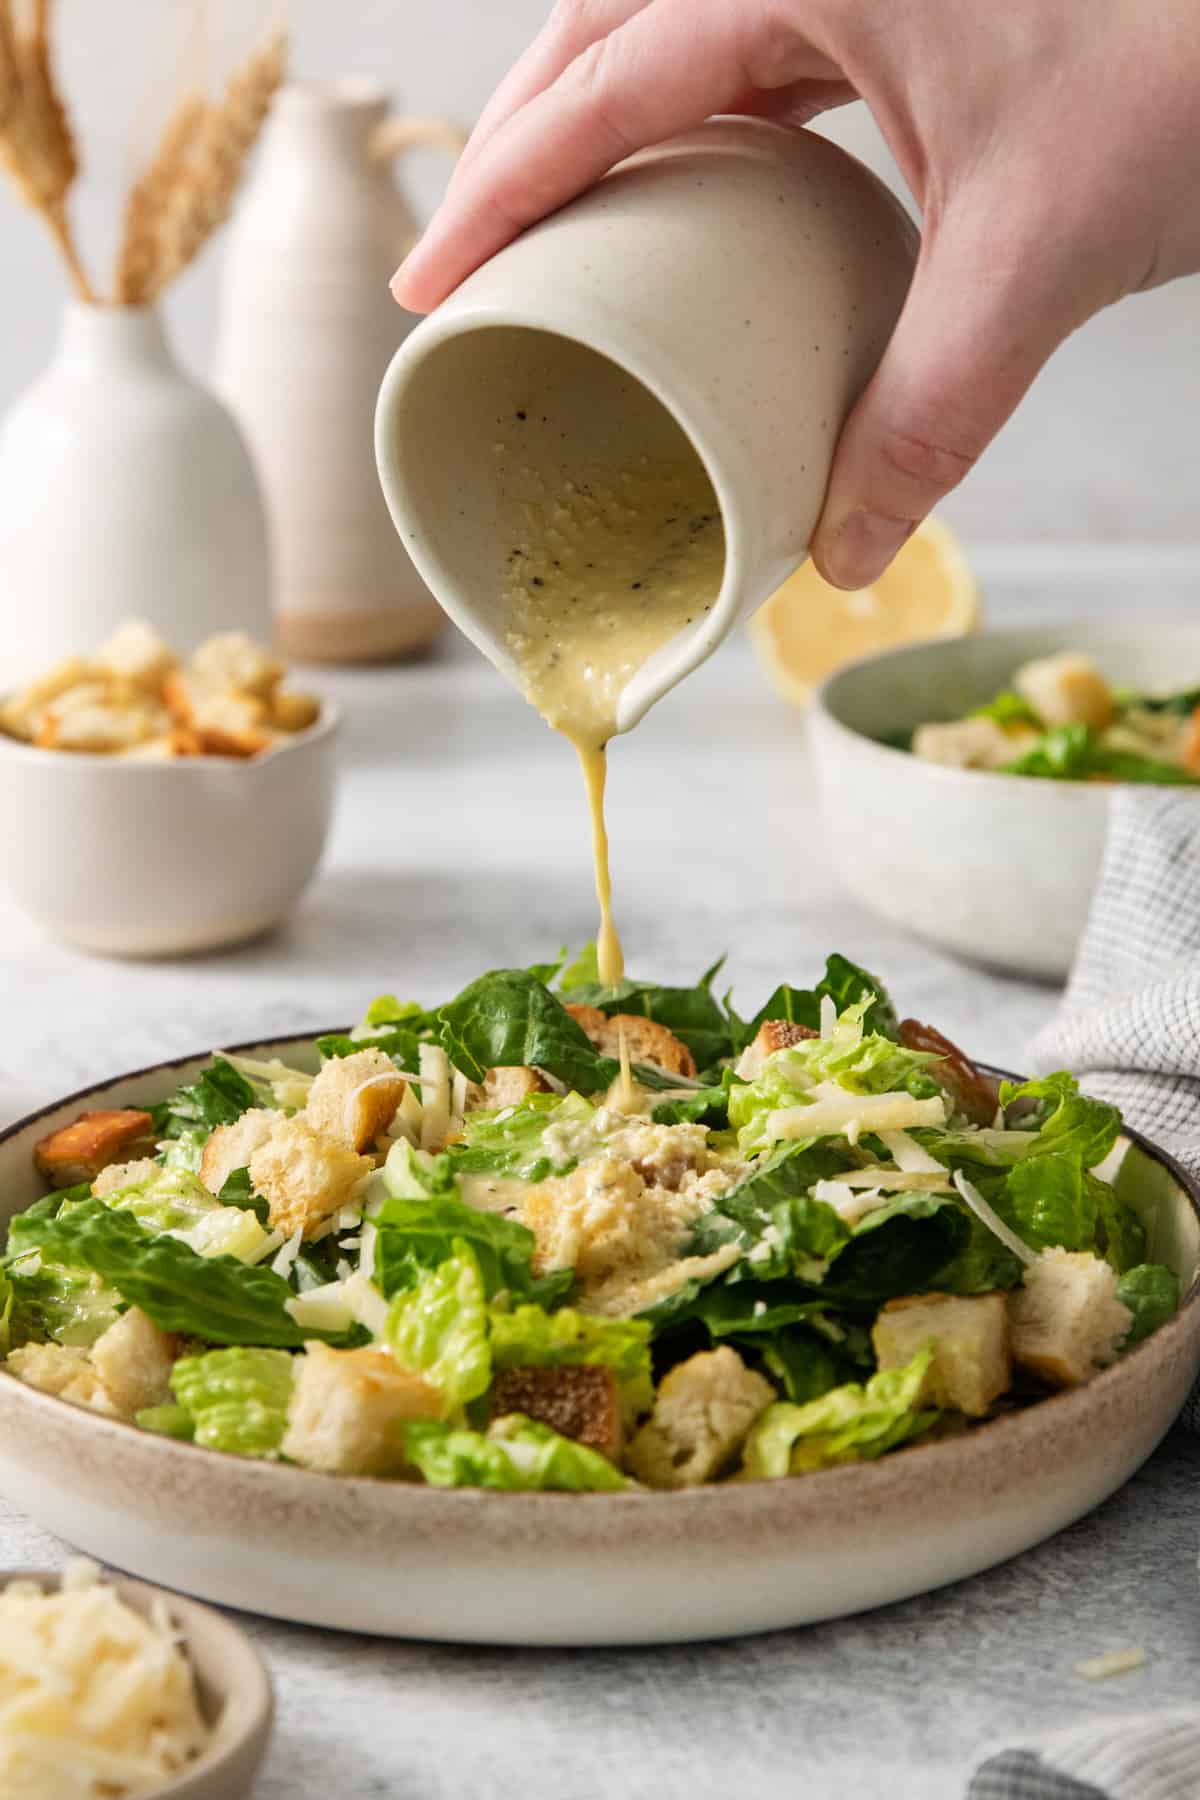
[
  {"x": 233, "y": 1689},
  {"x": 996, "y": 868},
  {"x": 131, "y": 858}
]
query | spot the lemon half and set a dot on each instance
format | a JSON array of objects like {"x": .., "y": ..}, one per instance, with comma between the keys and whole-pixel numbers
[{"x": 808, "y": 628}]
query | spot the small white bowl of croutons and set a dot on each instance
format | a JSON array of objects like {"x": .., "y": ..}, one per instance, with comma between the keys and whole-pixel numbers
[
  {"x": 155, "y": 805},
  {"x": 966, "y": 783}
]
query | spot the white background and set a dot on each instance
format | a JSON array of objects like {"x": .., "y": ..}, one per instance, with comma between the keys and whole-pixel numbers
[{"x": 1104, "y": 450}]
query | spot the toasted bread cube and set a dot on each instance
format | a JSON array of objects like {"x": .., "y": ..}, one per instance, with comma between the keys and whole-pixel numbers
[
  {"x": 304, "y": 1176},
  {"x": 702, "y": 1414},
  {"x": 232, "y": 661},
  {"x": 178, "y": 742},
  {"x": 125, "y": 1174},
  {"x": 1067, "y": 689},
  {"x": 580, "y": 1401},
  {"x": 354, "y": 1098},
  {"x": 230, "y": 1147},
  {"x": 347, "y": 1408},
  {"x": 978, "y": 743},
  {"x": 78, "y": 1152},
  {"x": 137, "y": 653},
  {"x": 648, "y": 1041},
  {"x": 99, "y": 720},
  {"x": 134, "y": 1359},
  {"x": 772, "y": 1035},
  {"x": 226, "y": 723},
  {"x": 64, "y": 1371},
  {"x": 20, "y": 713},
  {"x": 294, "y": 712},
  {"x": 970, "y": 1366},
  {"x": 505, "y": 1085},
  {"x": 1065, "y": 1320}
]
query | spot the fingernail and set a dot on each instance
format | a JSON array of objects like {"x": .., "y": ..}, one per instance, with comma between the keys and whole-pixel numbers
[{"x": 863, "y": 547}]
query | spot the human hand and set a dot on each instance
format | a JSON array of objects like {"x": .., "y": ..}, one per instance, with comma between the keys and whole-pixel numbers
[{"x": 1053, "y": 146}]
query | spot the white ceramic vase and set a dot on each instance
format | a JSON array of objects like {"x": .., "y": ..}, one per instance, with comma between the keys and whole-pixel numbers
[
  {"x": 307, "y": 327},
  {"x": 125, "y": 491}
]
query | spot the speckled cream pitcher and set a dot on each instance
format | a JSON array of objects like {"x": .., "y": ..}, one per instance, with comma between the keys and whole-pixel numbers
[
  {"x": 306, "y": 330},
  {"x": 730, "y": 291}
]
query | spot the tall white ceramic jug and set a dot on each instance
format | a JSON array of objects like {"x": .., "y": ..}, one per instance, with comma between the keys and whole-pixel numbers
[
  {"x": 307, "y": 327},
  {"x": 125, "y": 491}
]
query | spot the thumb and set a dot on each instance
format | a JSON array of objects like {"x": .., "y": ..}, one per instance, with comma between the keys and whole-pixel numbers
[{"x": 979, "y": 321}]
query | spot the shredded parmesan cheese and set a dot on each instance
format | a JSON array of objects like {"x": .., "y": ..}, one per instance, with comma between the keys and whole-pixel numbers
[
  {"x": 435, "y": 1097},
  {"x": 834, "y": 1110},
  {"x": 95, "y": 1699},
  {"x": 829, "y": 1016},
  {"x": 1112, "y": 1662}
]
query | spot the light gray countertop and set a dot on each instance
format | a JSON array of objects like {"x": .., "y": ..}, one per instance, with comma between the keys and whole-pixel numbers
[{"x": 460, "y": 844}]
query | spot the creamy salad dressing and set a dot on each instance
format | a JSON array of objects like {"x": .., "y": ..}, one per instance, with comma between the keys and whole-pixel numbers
[{"x": 601, "y": 575}]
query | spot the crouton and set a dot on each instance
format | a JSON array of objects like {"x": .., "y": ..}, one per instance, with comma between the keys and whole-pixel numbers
[
  {"x": 772, "y": 1035},
  {"x": 977, "y": 743},
  {"x": 970, "y": 1366},
  {"x": 702, "y": 1414},
  {"x": 347, "y": 1407},
  {"x": 230, "y": 1147},
  {"x": 20, "y": 713},
  {"x": 972, "y": 1093},
  {"x": 64, "y": 1371},
  {"x": 125, "y": 1174},
  {"x": 579, "y": 1401},
  {"x": 1067, "y": 689},
  {"x": 232, "y": 661},
  {"x": 78, "y": 1152},
  {"x": 136, "y": 652},
  {"x": 648, "y": 1041},
  {"x": 134, "y": 1359},
  {"x": 98, "y": 722},
  {"x": 304, "y": 1176},
  {"x": 354, "y": 1098},
  {"x": 1065, "y": 1321},
  {"x": 180, "y": 741},
  {"x": 506, "y": 1085},
  {"x": 227, "y": 724},
  {"x": 294, "y": 712}
]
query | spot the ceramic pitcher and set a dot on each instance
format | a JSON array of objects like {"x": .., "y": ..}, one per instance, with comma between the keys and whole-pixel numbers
[
  {"x": 307, "y": 327},
  {"x": 125, "y": 491}
]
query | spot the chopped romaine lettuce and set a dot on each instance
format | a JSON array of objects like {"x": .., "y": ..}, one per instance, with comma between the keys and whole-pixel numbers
[
  {"x": 804, "y": 1364},
  {"x": 513, "y": 1141},
  {"x": 275, "y": 1083},
  {"x": 1077, "y": 753},
  {"x": 1120, "y": 1234},
  {"x": 1151, "y": 1292},
  {"x": 439, "y": 1327},
  {"x": 237, "y": 1399},
  {"x": 845, "y": 983},
  {"x": 1047, "y": 1201},
  {"x": 218, "y": 1097},
  {"x": 172, "y": 1421},
  {"x": 1068, "y": 1122},
  {"x": 847, "y": 1424},
  {"x": 693, "y": 1014},
  {"x": 517, "y": 1453},
  {"x": 47, "y": 1300}
]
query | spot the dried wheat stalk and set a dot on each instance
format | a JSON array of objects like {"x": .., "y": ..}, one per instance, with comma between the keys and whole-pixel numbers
[
  {"x": 202, "y": 196},
  {"x": 137, "y": 260},
  {"x": 36, "y": 141}
]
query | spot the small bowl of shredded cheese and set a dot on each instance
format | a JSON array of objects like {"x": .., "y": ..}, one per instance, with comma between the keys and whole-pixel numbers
[{"x": 117, "y": 1690}]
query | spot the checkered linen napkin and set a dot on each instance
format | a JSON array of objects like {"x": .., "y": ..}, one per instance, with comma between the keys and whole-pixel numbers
[{"x": 1129, "y": 1026}]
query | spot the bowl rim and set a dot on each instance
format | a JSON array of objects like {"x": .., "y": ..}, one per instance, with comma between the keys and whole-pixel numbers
[
  {"x": 1100, "y": 630},
  {"x": 248, "y": 1683},
  {"x": 1008, "y": 1427},
  {"x": 327, "y": 723}
]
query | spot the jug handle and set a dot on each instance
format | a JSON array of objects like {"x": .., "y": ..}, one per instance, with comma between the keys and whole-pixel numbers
[{"x": 395, "y": 135}]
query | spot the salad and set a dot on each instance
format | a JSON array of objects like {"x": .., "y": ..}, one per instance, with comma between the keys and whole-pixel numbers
[
  {"x": 463, "y": 1246},
  {"x": 1062, "y": 720}
]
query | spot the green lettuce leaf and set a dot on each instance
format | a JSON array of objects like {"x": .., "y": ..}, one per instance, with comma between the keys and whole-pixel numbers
[
  {"x": 237, "y": 1399},
  {"x": 1007, "y": 709},
  {"x": 439, "y": 1327},
  {"x": 508, "y": 1017},
  {"x": 219, "y": 1097},
  {"x": 896, "y": 1250},
  {"x": 517, "y": 1453},
  {"x": 511, "y": 1142},
  {"x": 783, "y": 1230},
  {"x": 1151, "y": 1292},
  {"x": 1077, "y": 753},
  {"x": 215, "y": 1297},
  {"x": 848, "y": 1424},
  {"x": 401, "y": 1044},
  {"x": 173, "y": 1421},
  {"x": 6, "y": 1310},
  {"x": 169, "y": 1200},
  {"x": 803, "y": 1364},
  {"x": 845, "y": 983},
  {"x": 238, "y": 1191},
  {"x": 707, "y": 1106},
  {"x": 983, "y": 1263},
  {"x": 70, "y": 1306},
  {"x": 694, "y": 1014},
  {"x": 1069, "y": 1123},
  {"x": 1120, "y": 1234},
  {"x": 532, "y": 1337},
  {"x": 1047, "y": 1201},
  {"x": 423, "y": 1215}
]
